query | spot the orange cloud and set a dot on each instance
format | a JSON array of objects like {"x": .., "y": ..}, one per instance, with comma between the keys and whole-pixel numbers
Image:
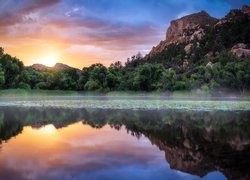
[{"x": 39, "y": 32}]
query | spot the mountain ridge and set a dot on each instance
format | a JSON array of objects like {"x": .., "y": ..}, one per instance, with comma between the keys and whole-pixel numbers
[
  {"x": 56, "y": 67},
  {"x": 193, "y": 27}
]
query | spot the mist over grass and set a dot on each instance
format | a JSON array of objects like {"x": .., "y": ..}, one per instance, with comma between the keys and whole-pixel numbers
[
  {"x": 193, "y": 94},
  {"x": 187, "y": 100}
]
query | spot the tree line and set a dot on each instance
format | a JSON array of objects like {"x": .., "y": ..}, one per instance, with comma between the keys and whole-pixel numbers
[{"x": 136, "y": 75}]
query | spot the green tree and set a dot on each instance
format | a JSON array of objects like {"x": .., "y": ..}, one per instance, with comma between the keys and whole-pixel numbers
[
  {"x": 12, "y": 68},
  {"x": 1, "y": 52},
  {"x": 92, "y": 85},
  {"x": 23, "y": 85},
  {"x": 168, "y": 80},
  {"x": 94, "y": 77},
  {"x": 2, "y": 78},
  {"x": 147, "y": 77}
]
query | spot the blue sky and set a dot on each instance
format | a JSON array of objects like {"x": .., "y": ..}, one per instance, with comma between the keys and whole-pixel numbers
[{"x": 80, "y": 32}]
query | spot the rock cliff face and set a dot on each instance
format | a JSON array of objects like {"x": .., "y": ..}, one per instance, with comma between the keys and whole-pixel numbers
[
  {"x": 193, "y": 26},
  {"x": 185, "y": 29}
]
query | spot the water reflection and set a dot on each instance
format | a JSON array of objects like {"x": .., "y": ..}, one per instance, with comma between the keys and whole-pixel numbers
[{"x": 91, "y": 143}]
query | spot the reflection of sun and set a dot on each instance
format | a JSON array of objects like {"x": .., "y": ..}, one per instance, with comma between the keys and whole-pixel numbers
[
  {"x": 49, "y": 59},
  {"x": 48, "y": 130}
]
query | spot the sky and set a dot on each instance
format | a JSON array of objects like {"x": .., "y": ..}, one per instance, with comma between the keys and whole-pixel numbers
[{"x": 82, "y": 32}]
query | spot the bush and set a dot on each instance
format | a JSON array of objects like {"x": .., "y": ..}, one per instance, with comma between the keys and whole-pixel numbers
[
  {"x": 92, "y": 85},
  {"x": 180, "y": 85},
  {"x": 23, "y": 85},
  {"x": 205, "y": 88},
  {"x": 41, "y": 85}
]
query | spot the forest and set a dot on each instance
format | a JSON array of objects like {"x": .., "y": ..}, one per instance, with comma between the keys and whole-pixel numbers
[{"x": 138, "y": 74}]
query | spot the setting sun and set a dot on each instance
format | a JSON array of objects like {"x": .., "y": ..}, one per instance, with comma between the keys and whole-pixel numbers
[
  {"x": 48, "y": 130},
  {"x": 49, "y": 59}
]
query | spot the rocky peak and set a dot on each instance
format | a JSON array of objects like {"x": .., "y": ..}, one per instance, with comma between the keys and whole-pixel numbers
[
  {"x": 185, "y": 29},
  {"x": 56, "y": 67},
  {"x": 182, "y": 29},
  {"x": 246, "y": 9},
  {"x": 39, "y": 67},
  {"x": 60, "y": 66},
  {"x": 192, "y": 27},
  {"x": 236, "y": 14}
]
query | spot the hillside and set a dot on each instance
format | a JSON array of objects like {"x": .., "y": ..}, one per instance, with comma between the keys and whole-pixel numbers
[
  {"x": 184, "y": 30},
  {"x": 199, "y": 38},
  {"x": 56, "y": 67}
]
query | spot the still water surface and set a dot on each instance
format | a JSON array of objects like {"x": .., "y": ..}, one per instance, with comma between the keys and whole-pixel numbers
[{"x": 55, "y": 143}]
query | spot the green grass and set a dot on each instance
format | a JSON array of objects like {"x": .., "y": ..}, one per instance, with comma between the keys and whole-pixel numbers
[
  {"x": 35, "y": 92},
  {"x": 129, "y": 104},
  {"x": 193, "y": 94}
]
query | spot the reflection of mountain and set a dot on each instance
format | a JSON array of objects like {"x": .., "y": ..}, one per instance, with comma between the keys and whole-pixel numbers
[
  {"x": 196, "y": 159},
  {"x": 194, "y": 142}
]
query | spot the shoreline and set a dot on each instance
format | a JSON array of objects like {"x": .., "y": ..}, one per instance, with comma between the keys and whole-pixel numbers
[{"x": 196, "y": 105}]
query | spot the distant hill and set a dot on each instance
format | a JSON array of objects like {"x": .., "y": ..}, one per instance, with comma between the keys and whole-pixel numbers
[
  {"x": 61, "y": 66},
  {"x": 40, "y": 67},
  {"x": 56, "y": 67}
]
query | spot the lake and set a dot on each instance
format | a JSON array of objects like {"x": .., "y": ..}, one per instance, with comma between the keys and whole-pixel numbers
[{"x": 95, "y": 143}]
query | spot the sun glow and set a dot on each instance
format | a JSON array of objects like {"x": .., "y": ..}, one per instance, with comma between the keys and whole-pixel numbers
[
  {"x": 49, "y": 59},
  {"x": 48, "y": 130}
]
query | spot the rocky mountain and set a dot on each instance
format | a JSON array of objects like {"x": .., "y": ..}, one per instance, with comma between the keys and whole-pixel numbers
[
  {"x": 56, "y": 67},
  {"x": 60, "y": 66},
  {"x": 203, "y": 32},
  {"x": 40, "y": 67},
  {"x": 185, "y": 29}
]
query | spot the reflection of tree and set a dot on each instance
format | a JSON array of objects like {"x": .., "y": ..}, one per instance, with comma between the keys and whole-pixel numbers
[
  {"x": 195, "y": 142},
  {"x": 9, "y": 126}
]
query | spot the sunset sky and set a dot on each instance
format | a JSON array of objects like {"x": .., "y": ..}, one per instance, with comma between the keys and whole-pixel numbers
[{"x": 82, "y": 32}]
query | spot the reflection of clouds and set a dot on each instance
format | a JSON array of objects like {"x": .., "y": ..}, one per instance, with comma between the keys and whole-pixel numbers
[
  {"x": 77, "y": 150},
  {"x": 104, "y": 150},
  {"x": 10, "y": 173}
]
